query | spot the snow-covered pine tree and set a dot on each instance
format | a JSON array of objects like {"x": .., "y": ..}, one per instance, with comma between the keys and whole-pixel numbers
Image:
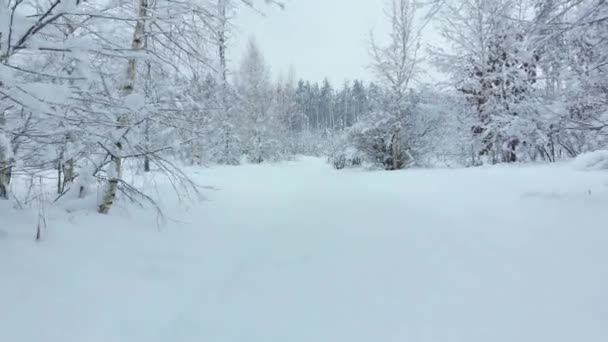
[{"x": 326, "y": 107}]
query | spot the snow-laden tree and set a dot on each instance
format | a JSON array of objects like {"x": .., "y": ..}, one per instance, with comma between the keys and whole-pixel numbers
[
  {"x": 254, "y": 89},
  {"x": 495, "y": 70},
  {"x": 326, "y": 107},
  {"x": 532, "y": 73},
  {"x": 87, "y": 88},
  {"x": 571, "y": 38},
  {"x": 343, "y": 110},
  {"x": 290, "y": 119},
  {"x": 359, "y": 103},
  {"x": 35, "y": 78},
  {"x": 287, "y": 104},
  {"x": 225, "y": 137},
  {"x": 387, "y": 137}
]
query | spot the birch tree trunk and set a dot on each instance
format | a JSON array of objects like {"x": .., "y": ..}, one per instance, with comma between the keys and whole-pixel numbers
[
  {"x": 147, "y": 122},
  {"x": 5, "y": 148},
  {"x": 147, "y": 143},
  {"x": 222, "y": 43},
  {"x": 5, "y": 160},
  {"x": 115, "y": 170},
  {"x": 69, "y": 174}
]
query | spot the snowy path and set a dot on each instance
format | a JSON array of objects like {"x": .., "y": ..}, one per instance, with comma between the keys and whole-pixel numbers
[{"x": 301, "y": 253}]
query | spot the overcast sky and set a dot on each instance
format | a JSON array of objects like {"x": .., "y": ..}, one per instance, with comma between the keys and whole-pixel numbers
[{"x": 318, "y": 37}]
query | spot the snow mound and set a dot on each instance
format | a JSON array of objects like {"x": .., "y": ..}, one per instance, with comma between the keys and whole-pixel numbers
[{"x": 597, "y": 160}]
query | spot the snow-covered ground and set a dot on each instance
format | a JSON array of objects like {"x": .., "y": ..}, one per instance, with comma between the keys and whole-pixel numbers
[{"x": 298, "y": 252}]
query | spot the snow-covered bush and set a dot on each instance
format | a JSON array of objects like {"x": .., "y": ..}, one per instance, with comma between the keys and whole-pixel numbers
[
  {"x": 347, "y": 158},
  {"x": 380, "y": 140},
  {"x": 264, "y": 149},
  {"x": 597, "y": 160}
]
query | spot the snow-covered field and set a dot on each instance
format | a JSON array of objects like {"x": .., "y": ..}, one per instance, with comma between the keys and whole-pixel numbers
[{"x": 298, "y": 252}]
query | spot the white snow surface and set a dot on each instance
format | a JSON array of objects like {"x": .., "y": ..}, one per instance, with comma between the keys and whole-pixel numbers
[{"x": 298, "y": 252}]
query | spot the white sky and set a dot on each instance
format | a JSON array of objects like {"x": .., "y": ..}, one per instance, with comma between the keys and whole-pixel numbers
[{"x": 320, "y": 38}]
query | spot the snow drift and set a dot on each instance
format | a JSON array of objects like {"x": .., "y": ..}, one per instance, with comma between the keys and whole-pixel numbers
[
  {"x": 597, "y": 160},
  {"x": 300, "y": 252}
]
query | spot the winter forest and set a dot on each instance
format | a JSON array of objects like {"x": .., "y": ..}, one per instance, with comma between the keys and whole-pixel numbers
[
  {"x": 89, "y": 89},
  {"x": 124, "y": 119}
]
